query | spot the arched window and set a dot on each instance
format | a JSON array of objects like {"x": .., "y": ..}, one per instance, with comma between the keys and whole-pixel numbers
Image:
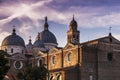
[
  {"x": 69, "y": 57},
  {"x": 110, "y": 39},
  {"x": 22, "y": 51},
  {"x": 40, "y": 62},
  {"x": 51, "y": 78},
  {"x": 12, "y": 50},
  {"x": 59, "y": 77},
  {"x": 53, "y": 59},
  {"x": 77, "y": 36},
  {"x": 109, "y": 56},
  {"x": 73, "y": 35},
  {"x": 5, "y": 49}
]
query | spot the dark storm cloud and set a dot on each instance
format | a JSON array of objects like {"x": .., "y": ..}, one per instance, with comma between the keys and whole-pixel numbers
[
  {"x": 65, "y": 4},
  {"x": 3, "y": 16},
  {"x": 87, "y": 2},
  {"x": 8, "y": 2}
]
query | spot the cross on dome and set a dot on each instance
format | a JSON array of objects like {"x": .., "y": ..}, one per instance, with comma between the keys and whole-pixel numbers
[{"x": 14, "y": 30}]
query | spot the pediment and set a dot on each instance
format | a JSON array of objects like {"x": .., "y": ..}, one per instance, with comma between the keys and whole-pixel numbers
[
  {"x": 18, "y": 56},
  {"x": 40, "y": 53},
  {"x": 69, "y": 45},
  {"x": 114, "y": 40},
  {"x": 53, "y": 50}
]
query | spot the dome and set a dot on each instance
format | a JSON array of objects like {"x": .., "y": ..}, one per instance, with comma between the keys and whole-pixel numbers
[
  {"x": 13, "y": 40},
  {"x": 48, "y": 37},
  {"x": 38, "y": 43}
]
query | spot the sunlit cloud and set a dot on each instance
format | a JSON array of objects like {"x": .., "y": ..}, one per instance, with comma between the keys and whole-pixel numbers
[{"x": 22, "y": 10}]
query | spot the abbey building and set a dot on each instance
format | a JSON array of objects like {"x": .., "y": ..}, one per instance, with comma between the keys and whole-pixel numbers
[{"x": 97, "y": 59}]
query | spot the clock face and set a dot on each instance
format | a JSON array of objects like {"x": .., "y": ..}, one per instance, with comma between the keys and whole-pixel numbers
[{"x": 18, "y": 64}]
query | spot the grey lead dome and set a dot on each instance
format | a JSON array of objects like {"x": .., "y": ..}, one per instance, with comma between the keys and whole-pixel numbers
[
  {"x": 13, "y": 40},
  {"x": 47, "y": 37},
  {"x": 39, "y": 44}
]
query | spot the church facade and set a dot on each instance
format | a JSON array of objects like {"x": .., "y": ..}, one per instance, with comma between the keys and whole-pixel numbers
[{"x": 97, "y": 59}]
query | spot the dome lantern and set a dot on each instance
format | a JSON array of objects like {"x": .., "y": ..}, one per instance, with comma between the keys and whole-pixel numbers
[
  {"x": 46, "y": 24},
  {"x": 14, "y": 31}
]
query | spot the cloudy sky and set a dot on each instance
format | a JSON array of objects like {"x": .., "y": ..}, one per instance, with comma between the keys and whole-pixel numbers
[{"x": 94, "y": 17}]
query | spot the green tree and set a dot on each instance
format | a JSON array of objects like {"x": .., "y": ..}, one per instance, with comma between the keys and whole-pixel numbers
[
  {"x": 33, "y": 73},
  {"x": 3, "y": 64}
]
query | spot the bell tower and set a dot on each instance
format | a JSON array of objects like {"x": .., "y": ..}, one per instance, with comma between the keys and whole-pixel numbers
[{"x": 73, "y": 33}]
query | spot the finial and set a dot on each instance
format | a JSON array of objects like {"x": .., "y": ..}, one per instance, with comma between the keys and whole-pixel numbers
[
  {"x": 73, "y": 16},
  {"x": 14, "y": 30},
  {"x": 46, "y": 24},
  {"x": 29, "y": 38},
  {"x": 46, "y": 19},
  {"x": 110, "y": 30}
]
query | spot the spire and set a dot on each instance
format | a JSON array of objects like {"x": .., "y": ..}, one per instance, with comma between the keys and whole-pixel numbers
[
  {"x": 46, "y": 24},
  {"x": 73, "y": 33},
  {"x": 73, "y": 24},
  {"x": 73, "y": 17},
  {"x": 14, "y": 30},
  {"x": 110, "y": 35},
  {"x": 46, "y": 19},
  {"x": 110, "y": 31}
]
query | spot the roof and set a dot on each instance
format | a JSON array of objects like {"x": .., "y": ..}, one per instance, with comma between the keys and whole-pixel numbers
[{"x": 103, "y": 39}]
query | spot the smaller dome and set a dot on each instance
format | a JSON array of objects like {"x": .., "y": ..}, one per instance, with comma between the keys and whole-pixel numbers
[
  {"x": 30, "y": 43},
  {"x": 29, "y": 46},
  {"x": 38, "y": 44}
]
